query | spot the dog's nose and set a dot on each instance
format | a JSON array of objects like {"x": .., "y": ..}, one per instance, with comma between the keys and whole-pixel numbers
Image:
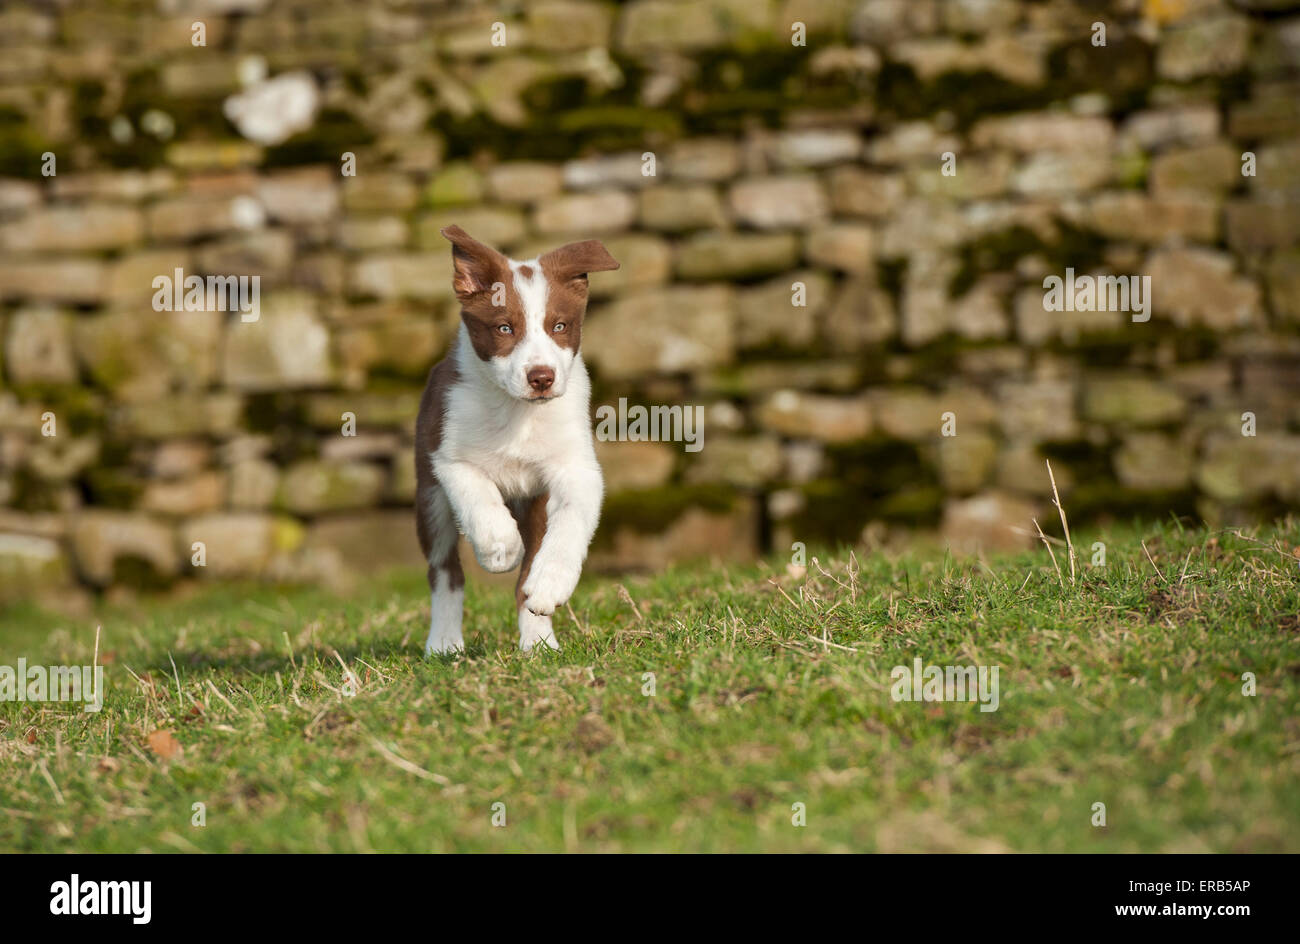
[{"x": 541, "y": 378}]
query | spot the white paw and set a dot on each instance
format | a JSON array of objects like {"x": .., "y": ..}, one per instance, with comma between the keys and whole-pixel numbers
[
  {"x": 548, "y": 585},
  {"x": 535, "y": 630},
  {"x": 443, "y": 644},
  {"x": 499, "y": 547}
]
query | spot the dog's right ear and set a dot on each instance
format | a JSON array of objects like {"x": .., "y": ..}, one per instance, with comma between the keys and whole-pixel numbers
[{"x": 477, "y": 265}]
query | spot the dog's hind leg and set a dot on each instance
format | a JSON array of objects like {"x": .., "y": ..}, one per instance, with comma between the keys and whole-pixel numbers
[
  {"x": 534, "y": 628},
  {"x": 438, "y": 537}
]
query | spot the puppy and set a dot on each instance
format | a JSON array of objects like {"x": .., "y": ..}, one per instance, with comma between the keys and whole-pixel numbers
[{"x": 503, "y": 445}]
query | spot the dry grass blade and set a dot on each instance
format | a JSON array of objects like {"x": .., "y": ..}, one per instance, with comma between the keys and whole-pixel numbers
[
  {"x": 787, "y": 596},
  {"x": 1153, "y": 563},
  {"x": 403, "y": 764},
  {"x": 1047, "y": 544},
  {"x": 827, "y": 642},
  {"x": 45, "y": 772},
  {"x": 626, "y": 597},
  {"x": 1236, "y": 532},
  {"x": 1065, "y": 525}
]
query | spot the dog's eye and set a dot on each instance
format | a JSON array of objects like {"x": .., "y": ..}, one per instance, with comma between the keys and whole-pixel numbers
[
  {"x": 505, "y": 329},
  {"x": 559, "y": 327}
]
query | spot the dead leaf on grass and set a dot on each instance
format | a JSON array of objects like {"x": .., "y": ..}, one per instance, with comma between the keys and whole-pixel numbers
[{"x": 163, "y": 743}]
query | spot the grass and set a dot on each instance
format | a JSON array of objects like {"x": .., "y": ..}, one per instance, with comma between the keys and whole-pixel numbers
[{"x": 770, "y": 690}]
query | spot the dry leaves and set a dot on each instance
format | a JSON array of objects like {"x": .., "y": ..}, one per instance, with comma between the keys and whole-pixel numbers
[{"x": 163, "y": 743}]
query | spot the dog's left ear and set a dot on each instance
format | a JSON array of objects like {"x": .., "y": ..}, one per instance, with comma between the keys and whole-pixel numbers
[{"x": 577, "y": 259}]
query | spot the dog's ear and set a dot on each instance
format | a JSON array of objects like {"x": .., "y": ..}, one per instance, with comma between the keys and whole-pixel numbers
[
  {"x": 577, "y": 259},
  {"x": 477, "y": 266}
]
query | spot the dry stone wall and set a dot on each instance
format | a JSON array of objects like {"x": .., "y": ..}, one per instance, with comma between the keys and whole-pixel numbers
[{"x": 837, "y": 223}]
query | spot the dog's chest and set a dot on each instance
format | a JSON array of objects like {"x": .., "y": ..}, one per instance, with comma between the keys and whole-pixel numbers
[
  {"x": 514, "y": 451},
  {"x": 515, "y": 478}
]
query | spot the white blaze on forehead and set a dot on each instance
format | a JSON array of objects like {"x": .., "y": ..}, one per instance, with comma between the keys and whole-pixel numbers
[
  {"x": 533, "y": 290},
  {"x": 536, "y": 347}
]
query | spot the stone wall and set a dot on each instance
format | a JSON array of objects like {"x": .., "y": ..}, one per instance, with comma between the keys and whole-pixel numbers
[{"x": 912, "y": 173}]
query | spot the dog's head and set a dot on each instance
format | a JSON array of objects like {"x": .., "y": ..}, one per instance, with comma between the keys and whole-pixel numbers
[{"x": 524, "y": 319}]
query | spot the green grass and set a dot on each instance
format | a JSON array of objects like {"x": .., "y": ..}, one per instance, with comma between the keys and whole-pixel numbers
[{"x": 1125, "y": 688}]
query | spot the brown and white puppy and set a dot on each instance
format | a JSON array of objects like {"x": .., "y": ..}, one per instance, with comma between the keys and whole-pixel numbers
[{"x": 503, "y": 444}]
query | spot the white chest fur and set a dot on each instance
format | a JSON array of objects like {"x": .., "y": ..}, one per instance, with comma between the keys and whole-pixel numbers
[{"x": 517, "y": 445}]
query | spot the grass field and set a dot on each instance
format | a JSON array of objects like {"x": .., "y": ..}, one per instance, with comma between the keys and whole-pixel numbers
[{"x": 770, "y": 690}]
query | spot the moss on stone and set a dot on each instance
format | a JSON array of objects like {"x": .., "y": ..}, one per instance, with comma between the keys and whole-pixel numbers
[
  {"x": 32, "y": 493},
  {"x": 731, "y": 112},
  {"x": 564, "y": 92},
  {"x": 999, "y": 251},
  {"x": 398, "y": 375},
  {"x": 748, "y": 82},
  {"x": 918, "y": 505},
  {"x": 1085, "y": 460},
  {"x": 890, "y": 275},
  {"x": 141, "y": 92},
  {"x": 136, "y": 573},
  {"x": 1098, "y": 349},
  {"x": 108, "y": 487},
  {"x": 736, "y": 89},
  {"x": 1131, "y": 168},
  {"x": 1106, "y": 500},
  {"x": 778, "y": 349},
  {"x": 287, "y": 534},
  {"x": 1196, "y": 343},
  {"x": 968, "y": 96},
  {"x": 456, "y": 184},
  {"x": 611, "y": 127},
  {"x": 1234, "y": 88},
  {"x": 936, "y": 361},
  {"x": 1122, "y": 70},
  {"x": 874, "y": 479},
  {"x": 569, "y": 116},
  {"x": 21, "y": 146},
  {"x": 651, "y": 511},
  {"x": 78, "y": 411},
  {"x": 334, "y": 132},
  {"x": 1117, "y": 348},
  {"x": 833, "y": 514},
  {"x": 283, "y": 417}
]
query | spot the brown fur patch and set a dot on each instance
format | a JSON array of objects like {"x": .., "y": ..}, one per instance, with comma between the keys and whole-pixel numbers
[
  {"x": 566, "y": 305},
  {"x": 482, "y": 278},
  {"x": 483, "y": 322},
  {"x": 566, "y": 270},
  {"x": 530, "y": 514},
  {"x": 575, "y": 259},
  {"x": 428, "y": 436}
]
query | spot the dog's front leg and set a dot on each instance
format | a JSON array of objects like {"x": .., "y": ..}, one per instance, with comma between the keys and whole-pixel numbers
[
  {"x": 481, "y": 514},
  {"x": 572, "y": 514}
]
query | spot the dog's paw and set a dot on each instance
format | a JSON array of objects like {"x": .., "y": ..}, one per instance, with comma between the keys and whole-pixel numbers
[
  {"x": 499, "y": 548},
  {"x": 440, "y": 644},
  {"x": 535, "y": 631},
  {"x": 549, "y": 585}
]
